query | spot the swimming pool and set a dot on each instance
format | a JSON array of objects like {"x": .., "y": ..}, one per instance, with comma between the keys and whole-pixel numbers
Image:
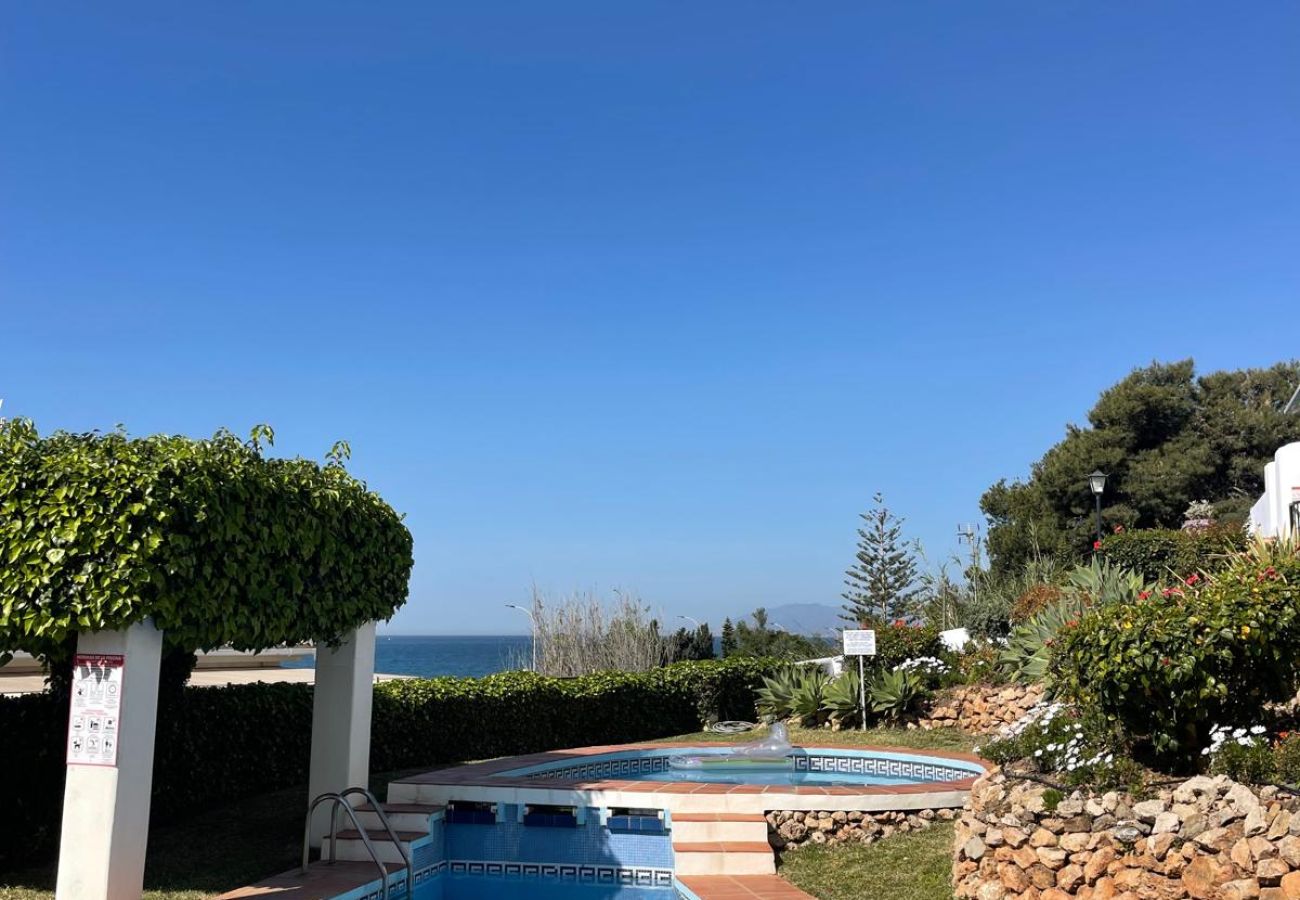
[
  {"x": 824, "y": 767},
  {"x": 481, "y": 887}
]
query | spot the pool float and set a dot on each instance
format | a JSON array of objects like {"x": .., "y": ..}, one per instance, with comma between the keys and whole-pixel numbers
[{"x": 773, "y": 750}]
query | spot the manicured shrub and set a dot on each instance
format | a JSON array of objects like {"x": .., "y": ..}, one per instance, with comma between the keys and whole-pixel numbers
[
  {"x": 1160, "y": 554},
  {"x": 219, "y": 744},
  {"x": 213, "y": 541},
  {"x": 1169, "y": 667},
  {"x": 898, "y": 642}
]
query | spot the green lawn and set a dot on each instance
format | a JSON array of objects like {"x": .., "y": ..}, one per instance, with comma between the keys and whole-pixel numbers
[
  {"x": 912, "y": 866},
  {"x": 913, "y": 739},
  {"x": 259, "y": 836}
]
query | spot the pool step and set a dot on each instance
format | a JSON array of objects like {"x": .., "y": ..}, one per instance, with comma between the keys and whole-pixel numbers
[
  {"x": 723, "y": 858},
  {"x": 402, "y": 816},
  {"x": 696, "y": 828},
  {"x": 350, "y": 846}
]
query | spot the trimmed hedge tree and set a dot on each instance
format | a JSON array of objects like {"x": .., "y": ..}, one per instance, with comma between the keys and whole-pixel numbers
[
  {"x": 216, "y": 542},
  {"x": 1159, "y": 553}
]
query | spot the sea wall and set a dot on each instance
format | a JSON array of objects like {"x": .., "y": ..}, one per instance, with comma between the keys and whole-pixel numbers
[{"x": 1205, "y": 838}]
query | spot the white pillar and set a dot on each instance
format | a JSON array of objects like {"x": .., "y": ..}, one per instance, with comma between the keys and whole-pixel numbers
[
  {"x": 106, "y": 808},
  {"x": 1270, "y": 500},
  {"x": 340, "y": 725},
  {"x": 1288, "y": 486}
]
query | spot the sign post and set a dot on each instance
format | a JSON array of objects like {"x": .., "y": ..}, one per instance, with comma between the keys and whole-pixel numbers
[{"x": 860, "y": 643}]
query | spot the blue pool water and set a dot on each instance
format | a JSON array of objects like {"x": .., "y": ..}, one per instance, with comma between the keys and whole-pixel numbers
[{"x": 481, "y": 887}]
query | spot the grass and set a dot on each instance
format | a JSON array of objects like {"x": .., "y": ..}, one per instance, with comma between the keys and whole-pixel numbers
[
  {"x": 210, "y": 853},
  {"x": 912, "y": 739},
  {"x": 912, "y": 866},
  {"x": 259, "y": 836}
]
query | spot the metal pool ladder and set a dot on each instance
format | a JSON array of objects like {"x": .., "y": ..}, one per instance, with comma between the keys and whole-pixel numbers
[{"x": 338, "y": 799}]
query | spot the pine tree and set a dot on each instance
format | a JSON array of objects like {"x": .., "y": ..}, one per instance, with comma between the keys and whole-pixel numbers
[
  {"x": 881, "y": 585},
  {"x": 728, "y": 638}
]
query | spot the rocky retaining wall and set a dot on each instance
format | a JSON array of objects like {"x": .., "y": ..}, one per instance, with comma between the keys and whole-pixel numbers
[
  {"x": 792, "y": 829},
  {"x": 981, "y": 708},
  {"x": 1206, "y": 838}
]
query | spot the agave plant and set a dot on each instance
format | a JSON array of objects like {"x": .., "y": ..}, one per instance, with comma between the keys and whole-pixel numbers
[
  {"x": 895, "y": 694},
  {"x": 1025, "y": 656},
  {"x": 1101, "y": 583},
  {"x": 775, "y": 698},
  {"x": 843, "y": 700},
  {"x": 809, "y": 693}
]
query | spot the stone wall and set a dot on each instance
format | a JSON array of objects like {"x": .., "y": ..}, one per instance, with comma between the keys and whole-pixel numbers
[
  {"x": 981, "y": 708},
  {"x": 792, "y": 829},
  {"x": 1205, "y": 838}
]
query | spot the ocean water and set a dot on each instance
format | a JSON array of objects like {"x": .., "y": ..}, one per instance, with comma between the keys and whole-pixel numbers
[{"x": 426, "y": 656}]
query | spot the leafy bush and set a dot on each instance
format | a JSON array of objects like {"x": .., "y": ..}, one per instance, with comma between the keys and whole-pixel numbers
[
  {"x": 265, "y": 732},
  {"x": 1157, "y": 554},
  {"x": 1286, "y": 758},
  {"x": 1169, "y": 666},
  {"x": 214, "y": 541},
  {"x": 897, "y": 693},
  {"x": 898, "y": 642}
]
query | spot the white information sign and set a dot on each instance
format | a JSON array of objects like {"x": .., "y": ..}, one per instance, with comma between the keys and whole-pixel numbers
[
  {"x": 96, "y": 709},
  {"x": 859, "y": 642}
]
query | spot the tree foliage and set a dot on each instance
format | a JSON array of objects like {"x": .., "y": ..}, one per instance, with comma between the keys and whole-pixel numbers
[
  {"x": 691, "y": 644},
  {"x": 1165, "y": 437},
  {"x": 214, "y": 541},
  {"x": 881, "y": 585},
  {"x": 758, "y": 639}
]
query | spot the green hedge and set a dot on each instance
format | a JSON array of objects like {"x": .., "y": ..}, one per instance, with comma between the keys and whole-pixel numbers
[
  {"x": 1159, "y": 554},
  {"x": 215, "y": 744},
  {"x": 217, "y": 543}
]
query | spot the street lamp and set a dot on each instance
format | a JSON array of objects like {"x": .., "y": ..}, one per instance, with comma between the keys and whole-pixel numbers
[
  {"x": 532, "y": 619},
  {"x": 1097, "y": 481}
]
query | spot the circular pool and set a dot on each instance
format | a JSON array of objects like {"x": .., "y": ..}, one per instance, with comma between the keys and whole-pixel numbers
[{"x": 717, "y": 764}]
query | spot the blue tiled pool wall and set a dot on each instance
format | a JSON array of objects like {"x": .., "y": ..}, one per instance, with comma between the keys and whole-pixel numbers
[
  {"x": 586, "y": 852},
  {"x": 624, "y": 765}
]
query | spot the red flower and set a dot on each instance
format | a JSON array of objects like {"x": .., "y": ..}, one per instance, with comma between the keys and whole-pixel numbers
[
  {"x": 1119, "y": 529},
  {"x": 1096, "y": 545},
  {"x": 1143, "y": 595},
  {"x": 1193, "y": 578},
  {"x": 1165, "y": 661}
]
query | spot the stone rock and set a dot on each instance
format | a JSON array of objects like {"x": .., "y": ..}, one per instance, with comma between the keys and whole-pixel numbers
[
  {"x": 1042, "y": 838},
  {"x": 1291, "y": 886},
  {"x": 1069, "y": 878},
  {"x": 1289, "y": 849},
  {"x": 1241, "y": 889},
  {"x": 1147, "y": 810},
  {"x": 1096, "y": 866},
  {"x": 1270, "y": 871},
  {"x": 1052, "y": 857},
  {"x": 1202, "y": 878},
  {"x": 1166, "y": 822}
]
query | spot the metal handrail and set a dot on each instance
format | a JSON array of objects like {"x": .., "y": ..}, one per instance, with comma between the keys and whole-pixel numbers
[
  {"x": 392, "y": 835},
  {"x": 337, "y": 800}
]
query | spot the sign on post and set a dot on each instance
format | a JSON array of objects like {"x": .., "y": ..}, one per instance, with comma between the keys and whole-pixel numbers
[
  {"x": 96, "y": 709},
  {"x": 860, "y": 642}
]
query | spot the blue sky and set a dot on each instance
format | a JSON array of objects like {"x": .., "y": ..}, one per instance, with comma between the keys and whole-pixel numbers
[{"x": 651, "y": 296}]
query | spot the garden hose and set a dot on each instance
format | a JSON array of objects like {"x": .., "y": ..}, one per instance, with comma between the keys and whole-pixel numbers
[{"x": 732, "y": 727}]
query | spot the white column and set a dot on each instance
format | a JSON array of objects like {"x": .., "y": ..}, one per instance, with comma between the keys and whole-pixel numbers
[
  {"x": 1288, "y": 485},
  {"x": 1270, "y": 501},
  {"x": 106, "y": 808},
  {"x": 340, "y": 726}
]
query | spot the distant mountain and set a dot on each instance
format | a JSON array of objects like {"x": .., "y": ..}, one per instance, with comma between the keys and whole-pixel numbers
[{"x": 801, "y": 618}]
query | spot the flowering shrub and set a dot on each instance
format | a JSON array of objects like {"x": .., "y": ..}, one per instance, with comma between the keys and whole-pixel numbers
[
  {"x": 1155, "y": 553},
  {"x": 1055, "y": 739},
  {"x": 1168, "y": 666},
  {"x": 898, "y": 642},
  {"x": 928, "y": 666},
  {"x": 1243, "y": 754}
]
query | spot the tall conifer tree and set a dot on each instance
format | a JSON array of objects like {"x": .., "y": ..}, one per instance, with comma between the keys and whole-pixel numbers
[{"x": 881, "y": 585}]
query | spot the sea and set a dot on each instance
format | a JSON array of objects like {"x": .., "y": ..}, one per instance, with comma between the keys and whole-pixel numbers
[{"x": 442, "y": 654}]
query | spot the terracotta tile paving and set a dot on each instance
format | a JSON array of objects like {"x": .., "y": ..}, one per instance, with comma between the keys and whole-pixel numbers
[
  {"x": 743, "y": 887},
  {"x": 319, "y": 883}
]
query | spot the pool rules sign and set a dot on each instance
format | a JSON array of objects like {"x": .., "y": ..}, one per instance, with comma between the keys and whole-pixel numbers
[
  {"x": 860, "y": 642},
  {"x": 96, "y": 709}
]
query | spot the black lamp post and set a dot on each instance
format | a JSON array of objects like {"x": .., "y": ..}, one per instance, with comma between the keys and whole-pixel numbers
[{"x": 1097, "y": 481}]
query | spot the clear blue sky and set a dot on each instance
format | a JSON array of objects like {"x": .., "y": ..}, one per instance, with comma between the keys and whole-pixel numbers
[{"x": 643, "y": 295}]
